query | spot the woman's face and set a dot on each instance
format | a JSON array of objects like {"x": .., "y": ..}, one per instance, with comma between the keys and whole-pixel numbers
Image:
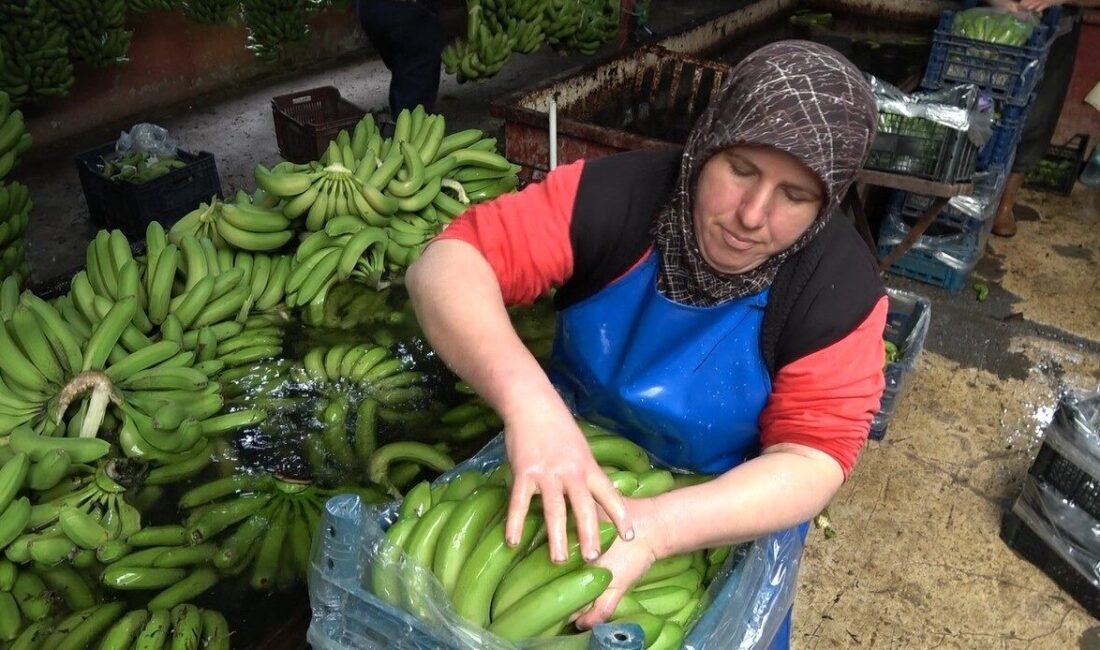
[{"x": 752, "y": 202}]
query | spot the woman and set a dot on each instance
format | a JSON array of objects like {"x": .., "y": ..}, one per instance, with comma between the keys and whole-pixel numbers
[{"x": 711, "y": 309}]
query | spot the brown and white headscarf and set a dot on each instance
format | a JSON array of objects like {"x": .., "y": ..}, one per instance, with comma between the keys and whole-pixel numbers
[{"x": 797, "y": 96}]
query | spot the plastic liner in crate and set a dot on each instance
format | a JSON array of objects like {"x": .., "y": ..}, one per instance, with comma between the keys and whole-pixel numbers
[
  {"x": 931, "y": 135},
  {"x": 1069, "y": 458},
  {"x": 1042, "y": 552},
  {"x": 1001, "y": 148},
  {"x": 907, "y": 323},
  {"x": 966, "y": 212},
  {"x": 130, "y": 208},
  {"x": 749, "y": 598},
  {"x": 1057, "y": 171},
  {"x": 306, "y": 121},
  {"x": 943, "y": 256},
  {"x": 1005, "y": 72}
]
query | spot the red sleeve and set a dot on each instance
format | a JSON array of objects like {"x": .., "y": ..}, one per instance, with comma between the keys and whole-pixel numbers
[
  {"x": 525, "y": 235},
  {"x": 826, "y": 400}
]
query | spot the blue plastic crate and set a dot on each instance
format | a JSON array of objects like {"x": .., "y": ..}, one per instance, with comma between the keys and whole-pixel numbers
[
  {"x": 942, "y": 260},
  {"x": 1005, "y": 72},
  {"x": 1006, "y": 135},
  {"x": 907, "y": 322},
  {"x": 749, "y": 598}
]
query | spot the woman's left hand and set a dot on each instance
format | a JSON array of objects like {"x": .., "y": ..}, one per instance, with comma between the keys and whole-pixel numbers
[{"x": 627, "y": 561}]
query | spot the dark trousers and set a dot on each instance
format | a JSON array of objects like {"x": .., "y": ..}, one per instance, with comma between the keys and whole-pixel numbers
[
  {"x": 1042, "y": 115},
  {"x": 409, "y": 37}
]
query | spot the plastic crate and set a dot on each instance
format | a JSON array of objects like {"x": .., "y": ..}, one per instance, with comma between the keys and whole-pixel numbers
[
  {"x": 131, "y": 208},
  {"x": 749, "y": 598},
  {"x": 306, "y": 121},
  {"x": 1005, "y": 72},
  {"x": 1001, "y": 147},
  {"x": 919, "y": 147},
  {"x": 907, "y": 323},
  {"x": 1069, "y": 458},
  {"x": 1040, "y": 550},
  {"x": 1067, "y": 160},
  {"x": 969, "y": 212},
  {"x": 943, "y": 257}
]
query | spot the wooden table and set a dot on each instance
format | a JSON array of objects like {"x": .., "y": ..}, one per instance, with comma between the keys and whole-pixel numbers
[{"x": 942, "y": 192}]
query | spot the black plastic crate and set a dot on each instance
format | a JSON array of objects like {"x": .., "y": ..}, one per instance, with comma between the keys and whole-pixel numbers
[
  {"x": 1063, "y": 165},
  {"x": 988, "y": 187},
  {"x": 915, "y": 146},
  {"x": 1075, "y": 484},
  {"x": 306, "y": 121},
  {"x": 907, "y": 320},
  {"x": 1036, "y": 549},
  {"x": 1005, "y": 72},
  {"x": 131, "y": 208}
]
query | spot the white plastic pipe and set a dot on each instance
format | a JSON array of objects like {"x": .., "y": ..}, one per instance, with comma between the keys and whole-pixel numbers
[{"x": 553, "y": 134}]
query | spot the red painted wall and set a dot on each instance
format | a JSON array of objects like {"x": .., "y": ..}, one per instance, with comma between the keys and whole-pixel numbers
[{"x": 173, "y": 59}]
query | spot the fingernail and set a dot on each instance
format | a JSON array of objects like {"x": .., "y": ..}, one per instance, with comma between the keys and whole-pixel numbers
[
  {"x": 510, "y": 541},
  {"x": 592, "y": 556},
  {"x": 629, "y": 535}
]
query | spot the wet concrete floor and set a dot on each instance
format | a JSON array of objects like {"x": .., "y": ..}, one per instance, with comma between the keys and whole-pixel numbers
[{"x": 917, "y": 562}]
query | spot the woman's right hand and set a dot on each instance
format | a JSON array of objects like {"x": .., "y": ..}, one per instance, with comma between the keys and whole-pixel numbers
[{"x": 550, "y": 457}]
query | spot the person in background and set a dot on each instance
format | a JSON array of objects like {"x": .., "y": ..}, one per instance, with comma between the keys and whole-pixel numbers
[
  {"x": 712, "y": 307},
  {"x": 1042, "y": 116},
  {"x": 408, "y": 35}
]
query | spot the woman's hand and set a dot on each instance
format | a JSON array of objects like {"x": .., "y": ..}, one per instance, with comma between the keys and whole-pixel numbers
[
  {"x": 550, "y": 457},
  {"x": 1038, "y": 5},
  {"x": 627, "y": 560}
]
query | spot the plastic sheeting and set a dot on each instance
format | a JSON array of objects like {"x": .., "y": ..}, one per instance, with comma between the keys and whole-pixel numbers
[
  {"x": 1069, "y": 530},
  {"x": 351, "y": 558},
  {"x": 959, "y": 107}
]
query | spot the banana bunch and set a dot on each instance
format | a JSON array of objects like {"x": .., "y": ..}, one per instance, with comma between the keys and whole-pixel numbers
[
  {"x": 324, "y": 259},
  {"x": 31, "y": 596},
  {"x": 145, "y": 6},
  {"x": 139, "y": 167},
  {"x": 484, "y": 51},
  {"x": 456, "y": 531},
  {"x": 472, "y": 420},
  {"x": 14, "y": 141},
  {"x": 183, "y": 626},
  {"x": 260, "y": 339},
  {"x": 13, "y": 258},
  {"x": 351, "y": 305},
  {"x": 581, "y": 25},
  {"x": 264, "y": 525},
  {"x": 81, "y": 521},
  {"x": 372, "y": 369},
  {"x": 521, "y": 19},
  {"x": 97, "y": 33},
  {"x": 210, "y": 12},
  {"x": 535, "y": 327},
  {"x": 275, "y": 24},
  {"x": 36, "y": 56},
  {"x": 15, "y": 212},
  {"x": 236, "y": 226}
]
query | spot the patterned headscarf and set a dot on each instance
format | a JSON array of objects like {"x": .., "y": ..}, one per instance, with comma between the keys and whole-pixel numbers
[{"x": 797, "y": 96}]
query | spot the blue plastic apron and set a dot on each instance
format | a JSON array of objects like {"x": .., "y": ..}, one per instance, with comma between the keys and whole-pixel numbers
[{"x": 687, "y": 383}]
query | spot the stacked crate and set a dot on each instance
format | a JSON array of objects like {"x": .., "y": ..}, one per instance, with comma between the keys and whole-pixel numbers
[{"x": 946, "y": 254}]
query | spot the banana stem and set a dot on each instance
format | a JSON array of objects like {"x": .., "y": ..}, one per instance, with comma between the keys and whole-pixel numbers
[
  {"x": 97, "y": 408},
  {"x": 88, "y": 380},
  {"x": 457, "y": 187}
]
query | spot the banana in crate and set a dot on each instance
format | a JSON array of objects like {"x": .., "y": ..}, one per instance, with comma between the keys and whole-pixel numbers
[
  {"x": 372, "y": 203},
  {"x": 455, "y": 531}
]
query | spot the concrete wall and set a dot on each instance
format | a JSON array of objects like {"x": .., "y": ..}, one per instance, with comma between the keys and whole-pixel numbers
[{"x": 173, "y": 59}]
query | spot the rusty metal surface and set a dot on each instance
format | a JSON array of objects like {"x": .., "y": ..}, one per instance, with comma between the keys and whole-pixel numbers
[{"x": 917, "y": 11}]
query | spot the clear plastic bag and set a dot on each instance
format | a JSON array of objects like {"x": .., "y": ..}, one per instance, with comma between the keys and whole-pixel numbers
[
  {"x": 959, "y": 107},
  {"x": 957, "y": 249},
  {"x": 146, "y": 138},
  {"x": 352, "y": 558}
]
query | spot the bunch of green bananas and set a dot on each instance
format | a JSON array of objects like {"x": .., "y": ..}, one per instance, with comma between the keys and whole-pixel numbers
[
  {"x": 351, "y": 305},
  {"x": 139, "y": 167},
  {"x": 456, "y": 530},
  {"x": 261, "y": 338},
  {"x": 81, "y": 521},
  {"x": 97, "y": 33},
  {"x": 376, "y": 219},
  {"x": 36, "y": 61},
  {"x": 265, "y": 524},
  {"x": 145, "y": 6},
  {"x": 275, "y": 24},
  {"x": 581, "y": 25},
  {"x": 31, "y": 597},
  {"x": 210, "y": 12},
  {"x": 14, "y": 141},
  {"x": 236, "y": 226},
  {"x": 182, "y": 626},
  {"x": 15, "y": 214},
  {"x": 495, "y": 29},
  {"x": 472, "y": 420}
]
